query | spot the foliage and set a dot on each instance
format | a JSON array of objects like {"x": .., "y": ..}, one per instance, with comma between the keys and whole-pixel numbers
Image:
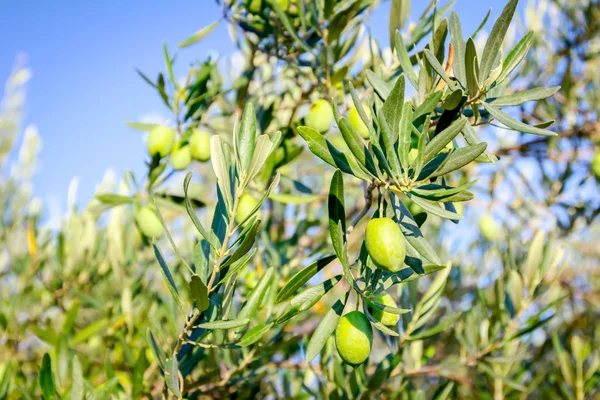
[{"x": 259, "y": 254}]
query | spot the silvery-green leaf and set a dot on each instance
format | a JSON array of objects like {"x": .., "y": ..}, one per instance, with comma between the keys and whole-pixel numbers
[
  {"x": 253, "y": 335},
  {"x": 515, "y": 124},
  {"x": 232, "y": 323},
  {"x": 460, "y": 157},
  {"x": 246, "y": 138},
  {"x": 515, "y": 56},
  {"x": 201, "y": 34},
  {"x": 221, "y": 168},
  {"x": 324, "y": 330},
  {"x": 328, "y": 153},
  {"x": 494, "y": 42},
  {"x": 301, "y": 277},
  {"x": 404, "y": 60},
  {"x": 472, "y": 68},
  {"x": 443, "y": 138},
  {"x": 435, "y": 209},
  {"x": 458, "y": 65},
  {"x": 519, "y": 98},
  {"x": 167, "y": 275},
  {"x": 379, "y": 85},
  {"x": 356, "y": 145}
]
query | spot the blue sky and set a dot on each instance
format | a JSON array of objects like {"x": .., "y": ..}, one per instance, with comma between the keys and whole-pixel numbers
[{"x": 83, "y": 55}]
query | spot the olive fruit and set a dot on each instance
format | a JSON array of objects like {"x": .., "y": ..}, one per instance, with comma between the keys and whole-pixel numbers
[
  {"x": 386, "y": 318},
  {"x": 181, "y": 157},
  {"x": 596, "y": 164},
  {"x": 200, "y": 145},
  {"x": 357, "y": 122},
  {"x": 246, "y": 204},
  {"x": 489, "y": 228},
  {"x": 148, "y": 222},
  {"x": 160, "y": 140},
  {"x": 339, "y": 143},
  {"x": 255, "y": 6},
  {"x": 385, "y": 244},
  {"x": 319, "y": 116},
  {"x": 354, "y": 338}
]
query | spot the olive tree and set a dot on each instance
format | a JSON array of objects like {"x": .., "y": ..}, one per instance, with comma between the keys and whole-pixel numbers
[{"x": 305, "y": 226}]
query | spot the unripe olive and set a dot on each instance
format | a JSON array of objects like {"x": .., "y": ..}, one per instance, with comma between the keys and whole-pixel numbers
[
  {"x": 357, "y": 122},
  {"x": 181, "y": 157},
  {"x": 414, "y": 208},
  {"x": 354, "y": 337},
  {"x": 319, "y": 116},
  {"x": 596, "y": 164},
  {"x": 160, "y": 140},
  {"x": 489, "y": 228},
  {"x": 339, "y": 143},
  {"x": 149, "y": 223},
  {"x": 384, "y": 317},
  {"x": 200, "y": 145},
  {"x": 385, "y": 244},
  {"x": 246, "y": 204},
  {"x": 251, "y": 279},
  {"x": 255, "y": 6}
]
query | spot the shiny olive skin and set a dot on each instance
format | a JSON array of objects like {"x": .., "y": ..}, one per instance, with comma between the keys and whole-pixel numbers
[
  {"x": 489, "y": 228},
  {"x": 357, "y": 122},
  {"x": 385, "y": 244},
  {"x": 199, "y": 142},
  {"x": 149, "y": 223},
  {"x": 386, "y": 318},
  {"x": 246, "y": 204},
  {"x": 181, "y": 157},
  {"x": 354, "y": 338},
  {"x": 319, "y": 116},
  {"x": 160, "y": 140}
]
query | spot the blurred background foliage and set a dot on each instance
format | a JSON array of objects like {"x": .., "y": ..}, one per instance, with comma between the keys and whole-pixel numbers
[{"x": 86, "y": 313}]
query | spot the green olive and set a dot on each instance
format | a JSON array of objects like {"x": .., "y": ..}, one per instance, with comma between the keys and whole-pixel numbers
[
  {"x": 339, "y": 143},
  {"x": 385, "y": 244},
  {"x": 489, "y": 228},
  {"x": 245, "y": 206},
  {"x": 319, "y": 116},
  {"x": 357, "y": 122},
  {"x": 200, "y": 145},
  {"x": 160, "y": 140},
  {"x": 384, "y": 317},
  {"x": 414, "y": 208},
  {"x": 255, "y": 6},
  {"x": 149, "y": 223},
  {"x": 181, "y": 157},
  {"x": 354, "y": 337},
  {"x": 596, "y": 164}
]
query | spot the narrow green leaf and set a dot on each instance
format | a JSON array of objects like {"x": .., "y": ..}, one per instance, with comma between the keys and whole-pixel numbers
[
  {"x": 428, "y": 105},
  {"x": 494, "y": 42},
  {"x": 515, "y": 124},
  {"x": 86, "y": 333},
  {"x": 399, "y": 12},
  {"x": 46, "y": 379},
  {"x": 379, "y": 85},
  {"x": 114, "y": 199},
  {"x": 472, "y": 69},
  {"x": 472, "y": 139},
  {"x": 406, "y": 128},
  {"x": 253, "y": 335},
  {"x": 437, "y": 67},
  {"x": 404, "y": 60},
  {"x": 356, "y": 145},
  {"x": 301, "y": 277},
  {"x": 323, "y": 149},
  {"x": 192, "y": 214},
  {"x": 309, "y": 297},
  {"x": 519, "y": 98},
  {"x": 172, "y": 378},
  {"x": 443, "y": 138},
  {"x": 221, "y": 168},
  {"x": 246, "y": 139},
  {"x": 456, "y": 37},
  {"x": 156, "y": 349},
  {"x": 435, "y": 209},
  {"x": 256, "y": 297},
  {"x": 324, "y": 330},
  {"x": 460, "y": 157},
  {"x": 453, "y": 100},
  {"x": 78, "y": 385},
  {"x": 232, "y": 323},
  {"x": 167, "y": 276},
  {"x": 515, "y": 56},
  {"x": 199, "y": 293},
  {"x": 201, "y": 34}
]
